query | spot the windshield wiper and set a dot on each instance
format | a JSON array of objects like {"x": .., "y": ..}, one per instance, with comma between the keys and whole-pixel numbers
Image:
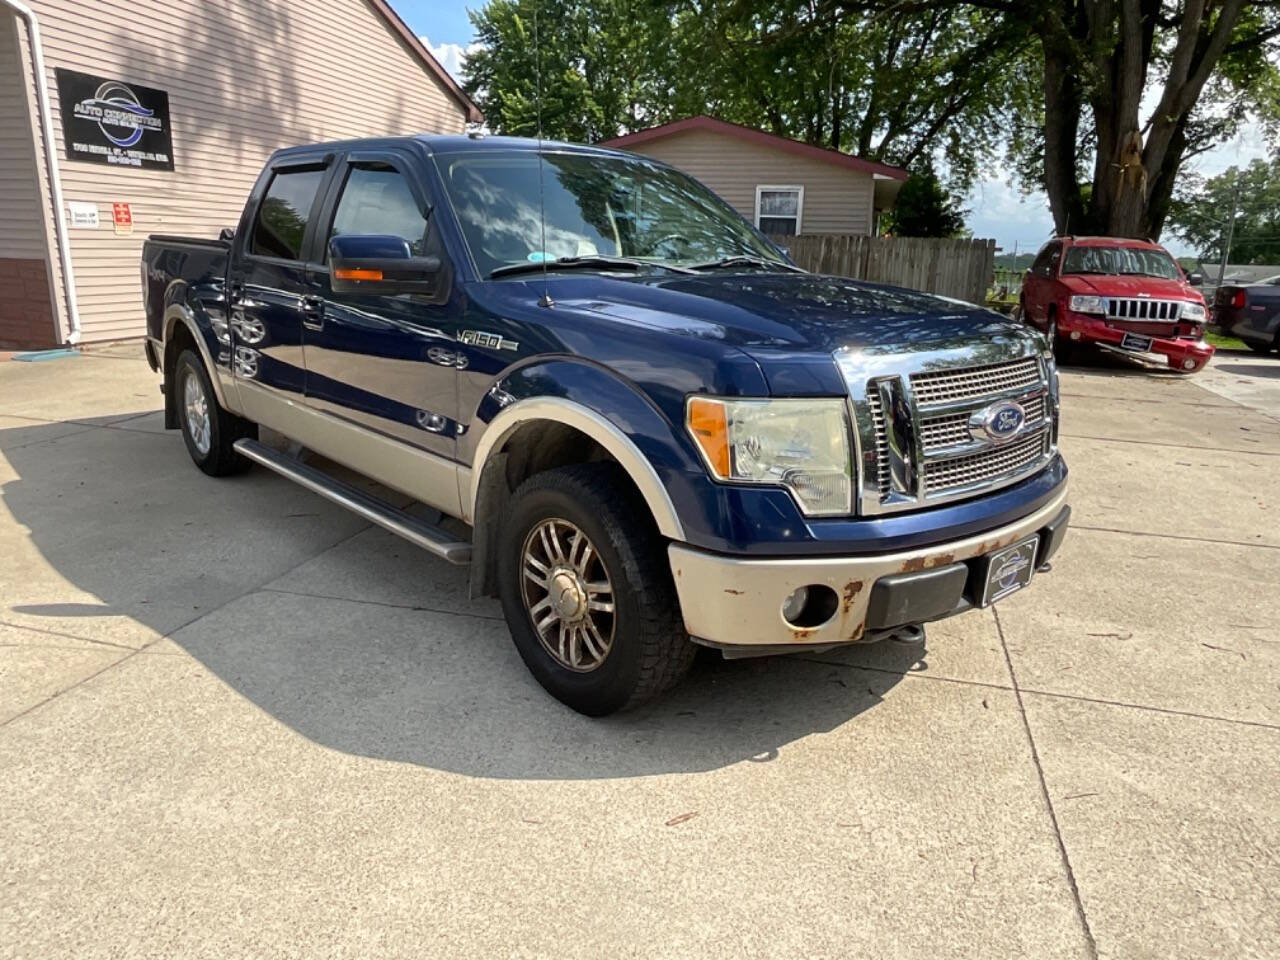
[
  {"x": 583, "y": 263},
  {"x": 1143, "y": 273},
  {"x": 742, "y": 260}
]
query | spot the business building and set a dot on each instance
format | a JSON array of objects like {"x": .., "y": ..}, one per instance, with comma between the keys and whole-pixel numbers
[{"x": 122, "y": 118}]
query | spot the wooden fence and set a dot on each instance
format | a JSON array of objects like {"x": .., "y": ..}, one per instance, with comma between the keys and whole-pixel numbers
[{"x": 962, "y": 269}]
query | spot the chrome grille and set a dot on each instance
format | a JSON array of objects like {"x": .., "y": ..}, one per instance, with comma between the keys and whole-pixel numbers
[
  {"x": 946, "y": 386},
  {"x": 959, "y": 472},
  {"x": 881, "y": 440},
  {"x": 1140, "y": 308},
  {"x": 921, "y": 422},
  {"x": 952, "y": 429}
]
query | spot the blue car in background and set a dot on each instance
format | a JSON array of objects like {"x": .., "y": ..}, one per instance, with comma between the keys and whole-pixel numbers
[{"x": 643, "y": 427}]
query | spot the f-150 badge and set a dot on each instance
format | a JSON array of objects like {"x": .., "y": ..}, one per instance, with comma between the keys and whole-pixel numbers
[{"x": 495, "y": 341}]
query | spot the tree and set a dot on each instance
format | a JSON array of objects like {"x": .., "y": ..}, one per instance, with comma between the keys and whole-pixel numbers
[
  {"x": 904, "y": 90},
  {"x": 1201, "y": 208},
  {"x": 925, "y": 209},
  {"x": 1210, "y": 64},
  {"x": 600, "y": 62}
]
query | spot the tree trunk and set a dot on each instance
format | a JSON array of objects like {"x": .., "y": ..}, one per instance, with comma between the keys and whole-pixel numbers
[{"x": 1061, "y": 123}]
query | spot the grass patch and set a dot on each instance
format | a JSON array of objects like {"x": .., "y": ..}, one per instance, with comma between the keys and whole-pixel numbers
[{"x": 1224, "y": 343}]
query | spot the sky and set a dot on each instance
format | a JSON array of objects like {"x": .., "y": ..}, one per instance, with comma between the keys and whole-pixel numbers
[{"x": 996, "y": 207}]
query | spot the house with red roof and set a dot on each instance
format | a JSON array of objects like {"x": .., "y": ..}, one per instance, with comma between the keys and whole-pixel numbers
[{"x": 783, "y": 186}]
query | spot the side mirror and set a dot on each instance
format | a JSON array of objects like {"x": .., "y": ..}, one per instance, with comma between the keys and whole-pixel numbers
[
  {"x": 1195, "y": 279},
  {"x": 377, "y": 264}
]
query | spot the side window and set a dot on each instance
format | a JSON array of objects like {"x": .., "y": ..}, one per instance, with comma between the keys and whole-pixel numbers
[
  {"x": 282, "y": 216},
  {"x": 1040, "y": 266},
  {"x": 1055, "y": 259},
  {"x": 377, "y": 200}
]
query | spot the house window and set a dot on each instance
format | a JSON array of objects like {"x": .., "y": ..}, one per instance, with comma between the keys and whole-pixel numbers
[{"x": 779, "y": 210}]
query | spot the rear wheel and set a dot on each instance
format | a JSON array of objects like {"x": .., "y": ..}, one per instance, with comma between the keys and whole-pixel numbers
[
  {"x": 208, "y": 431},
  {"x": 1261, "y": 348},
  {"x": 587, "y": 591}
]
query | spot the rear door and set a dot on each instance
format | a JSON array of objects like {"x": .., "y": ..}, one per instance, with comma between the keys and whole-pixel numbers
[
  {"x": 267, "y": 281},
  {"x": 386, "y": 362},
  {"x": 1038, "y": 285}
]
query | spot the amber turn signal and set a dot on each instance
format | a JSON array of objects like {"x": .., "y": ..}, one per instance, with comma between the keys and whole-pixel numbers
[
  {"x": 357, "y": 274},
  {"x": 708, "y": 422}
]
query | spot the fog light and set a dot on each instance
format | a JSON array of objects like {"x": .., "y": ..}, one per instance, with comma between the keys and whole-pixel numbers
[
  {"x": 809, "y": 607},
  {"x": 1075, "y": 334},
  {"x": 1188, "y": 364},
  {"x": 794, "y": 604}
]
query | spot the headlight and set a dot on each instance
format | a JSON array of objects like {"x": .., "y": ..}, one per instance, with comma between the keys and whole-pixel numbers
[
  {"x": 1080, "y": 304},
  {"x": 802, "y": 445},
  {"x": 1192, "y": 312}
]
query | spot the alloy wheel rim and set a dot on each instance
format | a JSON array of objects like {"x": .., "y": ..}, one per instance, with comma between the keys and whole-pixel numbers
[
  {"x": 196, "y": 410},
  {"x": 568, "y": 594}
]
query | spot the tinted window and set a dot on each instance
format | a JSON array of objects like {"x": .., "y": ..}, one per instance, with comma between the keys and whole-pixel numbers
[
  {"x": 377, "y": 200},
  {"x": 282, "y": 215},
  {"x": 1040, "y": 266}
]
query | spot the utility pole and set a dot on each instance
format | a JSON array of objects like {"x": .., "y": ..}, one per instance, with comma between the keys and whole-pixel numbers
[{"x": 1231, "y": 229}]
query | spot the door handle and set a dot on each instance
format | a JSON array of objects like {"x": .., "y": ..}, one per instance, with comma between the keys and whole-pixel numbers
[{"x": 313, "y": 313}]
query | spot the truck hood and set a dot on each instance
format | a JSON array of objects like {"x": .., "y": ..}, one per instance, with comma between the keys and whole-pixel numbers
[
  {"x": 764, "y": 313},
  {"x": 1121, "y": 286}
]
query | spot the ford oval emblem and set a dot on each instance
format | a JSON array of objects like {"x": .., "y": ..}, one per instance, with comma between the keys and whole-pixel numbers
[{"x": 999, "y": 422}]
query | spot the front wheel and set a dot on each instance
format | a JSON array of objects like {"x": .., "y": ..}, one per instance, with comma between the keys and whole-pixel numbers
[
  {"x": 587, "y": 592},
  {"x": 1261, "y": 348}
]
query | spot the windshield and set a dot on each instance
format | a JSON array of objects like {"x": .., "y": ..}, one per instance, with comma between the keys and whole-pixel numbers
[
  {"x": 1138, "y": 261},
  {"x": 595, "y": 206}
]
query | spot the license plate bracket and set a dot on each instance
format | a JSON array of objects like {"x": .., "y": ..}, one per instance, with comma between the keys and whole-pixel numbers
[
  {"x": 1136, "y": 342},
  {"x": 1009, "y": 570}
]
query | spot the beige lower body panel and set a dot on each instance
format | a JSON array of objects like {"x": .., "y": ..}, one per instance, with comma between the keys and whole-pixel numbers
[
  {"x": 415, "y": 473},
  {"x": 738, "y": 602}
]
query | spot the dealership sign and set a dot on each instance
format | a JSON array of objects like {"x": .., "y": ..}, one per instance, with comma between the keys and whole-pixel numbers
[{"x": 108, "y": 121}]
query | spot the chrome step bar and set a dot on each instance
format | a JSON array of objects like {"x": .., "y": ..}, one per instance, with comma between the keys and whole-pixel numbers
[{"x": 402, "y": 524}]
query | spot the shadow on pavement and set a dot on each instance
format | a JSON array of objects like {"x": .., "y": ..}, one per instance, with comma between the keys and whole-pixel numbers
[
  {"x": 125, "y": 518},
  {"x": 1269, "y": 370}
]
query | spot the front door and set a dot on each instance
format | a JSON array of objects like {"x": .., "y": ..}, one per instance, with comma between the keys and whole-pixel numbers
[{"x": 385, "y": 362}]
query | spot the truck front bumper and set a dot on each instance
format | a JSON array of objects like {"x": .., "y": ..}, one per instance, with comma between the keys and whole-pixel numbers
[{"x": 736, "y": 603}]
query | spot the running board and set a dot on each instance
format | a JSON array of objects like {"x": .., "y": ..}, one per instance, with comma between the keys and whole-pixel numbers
[{"x": 402, "y": 524}]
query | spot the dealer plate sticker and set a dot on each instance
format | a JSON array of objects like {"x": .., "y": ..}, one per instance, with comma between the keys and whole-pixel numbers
[
  {"x": 1009, "y": 570},
  {"x": 1135, "y": 341}
]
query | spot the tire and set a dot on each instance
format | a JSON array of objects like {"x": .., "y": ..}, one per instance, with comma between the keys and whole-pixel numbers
[
  {"x": 1064, "y": 351},
  {"x": 208, "y": 431},
  {"x": 1259, "y": 347},
  {"x": 646, "y": 650}
]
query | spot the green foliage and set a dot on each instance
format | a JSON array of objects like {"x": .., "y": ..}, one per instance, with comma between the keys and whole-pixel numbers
[
  {"x": 925, "y": 209},
  {"x": 908, "y": 89},
  {"x": 1201, "y": 208},
  {"x": 602, "y": 64}
]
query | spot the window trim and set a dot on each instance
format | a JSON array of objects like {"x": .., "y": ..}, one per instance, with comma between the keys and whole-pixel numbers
[
  {"x": 322, "y": 162},
  {"x": 338, "y": 186},
  {"x": 797, "y": 188}
]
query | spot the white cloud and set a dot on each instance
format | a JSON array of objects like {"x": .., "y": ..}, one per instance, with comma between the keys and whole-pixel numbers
[{"x": 452, "y": 56}]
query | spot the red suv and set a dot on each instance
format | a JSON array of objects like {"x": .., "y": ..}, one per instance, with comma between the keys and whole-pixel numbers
[{"x": 1129, "y": 297}]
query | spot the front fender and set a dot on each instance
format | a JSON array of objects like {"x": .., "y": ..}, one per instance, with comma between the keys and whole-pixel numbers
[{"x": 656, "y": 453}]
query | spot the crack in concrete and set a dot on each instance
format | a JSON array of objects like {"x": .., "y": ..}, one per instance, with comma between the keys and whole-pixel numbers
[
  {"x": 1091, "y": 945},
  {"x": 1176, "y": 536}
]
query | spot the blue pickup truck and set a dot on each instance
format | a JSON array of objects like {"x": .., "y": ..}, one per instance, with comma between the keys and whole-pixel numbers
[{"x": 636, "y": 419}]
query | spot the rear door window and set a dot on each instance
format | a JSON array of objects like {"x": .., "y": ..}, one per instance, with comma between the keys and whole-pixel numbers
[{"x": 281, "y": 221}]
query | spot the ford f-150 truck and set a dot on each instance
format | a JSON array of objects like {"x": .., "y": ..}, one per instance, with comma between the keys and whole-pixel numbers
[
  {"x": 643, "y": 424},
  {"x": 1128, "y": 297}
]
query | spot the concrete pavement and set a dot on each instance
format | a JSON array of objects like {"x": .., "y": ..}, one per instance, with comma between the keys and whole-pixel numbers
[{"x": 236, "y": 721}]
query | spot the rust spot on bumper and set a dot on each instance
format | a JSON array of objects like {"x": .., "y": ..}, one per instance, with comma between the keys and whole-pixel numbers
[
  {"x": 851, "y": 590},
  {"x": 736, "y": 593},
  {"x": 941, "y": 560}
]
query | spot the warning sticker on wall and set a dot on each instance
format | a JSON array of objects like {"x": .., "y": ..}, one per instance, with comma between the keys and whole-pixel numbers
[
  {"x": 123, "y": 218},
  {"x": 83, "y": 214}
]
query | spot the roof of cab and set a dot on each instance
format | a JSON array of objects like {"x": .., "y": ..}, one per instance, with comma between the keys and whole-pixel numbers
[{"x": 455, "y": 143}]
